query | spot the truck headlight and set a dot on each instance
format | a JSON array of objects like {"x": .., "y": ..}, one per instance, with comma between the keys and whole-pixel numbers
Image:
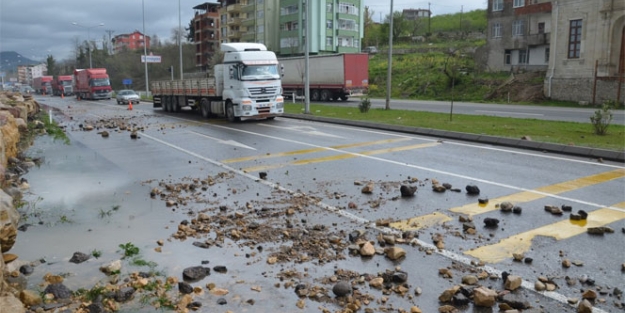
[
  {"x": 246, "y": 108},
  {"x": 279, "y": 105}
]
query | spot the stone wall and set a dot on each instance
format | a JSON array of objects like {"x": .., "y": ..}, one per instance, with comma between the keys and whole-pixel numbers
[
  {"x": 15, "y": 111},
  {"x": 581, "y": 90}
]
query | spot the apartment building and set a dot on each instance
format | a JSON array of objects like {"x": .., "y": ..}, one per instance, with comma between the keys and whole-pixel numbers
[
  {"x": 519, "y": 35},
  {"x": 206, "y": 33},
  {"x": 132, "y": 41},
  {"x": 587, "y": 61},
  {"x": 415, "y": 14},
  {"x": 336, "y": 25}
]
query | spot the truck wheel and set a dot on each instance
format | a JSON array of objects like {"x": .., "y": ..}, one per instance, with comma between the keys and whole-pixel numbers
[
  {"x": 314, "y": 95},
  {"x": 230, "y": 113},
  {"x": 325, "y": 95},
  {"x": 174, "y": 107},
  {"x": 166, "y": 103},
  {"x": 344, "y": 97},
  {"x": 205, "y": 108}
]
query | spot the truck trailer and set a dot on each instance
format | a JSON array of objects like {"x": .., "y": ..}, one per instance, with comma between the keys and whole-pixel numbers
[
  {"x": 331, "y": 77},
  {"x": 43, "y": 85},
  {"x": 92, "y": 83},
  {"x": 246, "y": 85},
  {"x": 63, "y": 85}
]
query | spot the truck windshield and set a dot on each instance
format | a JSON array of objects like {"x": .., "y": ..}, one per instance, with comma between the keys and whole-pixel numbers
[
  {"x": 260, "y": 72},
  {"x": 100, "y": 82},
  {"x": 66, "y": 83}
]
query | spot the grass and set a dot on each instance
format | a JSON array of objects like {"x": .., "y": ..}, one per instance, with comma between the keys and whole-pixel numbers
[{"x": 568, "y": 133}]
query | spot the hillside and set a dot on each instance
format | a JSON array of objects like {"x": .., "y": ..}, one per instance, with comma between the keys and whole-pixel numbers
[{"x": 10, "y": 60}]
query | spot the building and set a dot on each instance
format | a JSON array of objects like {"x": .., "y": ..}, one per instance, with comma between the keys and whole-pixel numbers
[
  {"x": 519, "y": 35},
  {"x": 206, "y": 33},
  {"x": 132, "y": 41},
  {"x": 25, "y": 74},
  {"x": 414, "y": 14},
  {"x": 336, "y": 25},
  {"x": 587, "y": 59}
]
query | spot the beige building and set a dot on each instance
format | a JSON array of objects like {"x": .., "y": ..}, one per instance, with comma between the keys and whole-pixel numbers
[{"x": 587, "y": 59}]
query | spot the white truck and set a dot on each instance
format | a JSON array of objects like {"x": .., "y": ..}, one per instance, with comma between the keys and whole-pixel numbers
[{"x": 246, "y": 85}]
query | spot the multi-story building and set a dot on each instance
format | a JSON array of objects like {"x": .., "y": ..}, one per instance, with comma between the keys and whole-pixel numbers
[
  {"x": 519, "y": 34},
  {"x": 206, "y": 33},
  {"x": 336, "y": 25},
  {"x": 133, "y": 41},
  {"x": 587, "y": 61},
  {"x": 26, "y": 73},
  {"x": 415, "y": 14}
]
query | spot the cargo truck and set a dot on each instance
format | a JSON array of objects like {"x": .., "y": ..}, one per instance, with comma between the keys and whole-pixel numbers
[
  {"x": 245, "y": 85},
  {"x": 92, "y": 83},
  {"x": 62, "y": 85},
  {"x": 331, "y": 77},
  {"x": 43, "y": 85}
]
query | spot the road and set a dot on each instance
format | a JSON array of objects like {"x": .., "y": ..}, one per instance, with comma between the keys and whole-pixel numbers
[
  {"x": 309, "y": 202},
  {"x": 581, "y": 115}
]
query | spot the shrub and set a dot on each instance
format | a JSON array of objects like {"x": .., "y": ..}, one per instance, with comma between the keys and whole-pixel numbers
[
  {"x": 365, "y": 105},
  {"x": 602, "y": 118}
]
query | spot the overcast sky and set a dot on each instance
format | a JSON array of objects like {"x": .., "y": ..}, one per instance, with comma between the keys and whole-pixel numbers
[{"x": 37, "y": 28}]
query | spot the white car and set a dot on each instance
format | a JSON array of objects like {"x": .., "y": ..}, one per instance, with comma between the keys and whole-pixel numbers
[{"x": 127, "y": 96}]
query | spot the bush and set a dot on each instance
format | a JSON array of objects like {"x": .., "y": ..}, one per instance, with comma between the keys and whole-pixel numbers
[
  {"x": 365, "y": 105},
  {"x": 602, "y": 118}
]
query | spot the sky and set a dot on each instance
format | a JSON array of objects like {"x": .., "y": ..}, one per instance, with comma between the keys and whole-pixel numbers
[{"x": 38, "y": 28}]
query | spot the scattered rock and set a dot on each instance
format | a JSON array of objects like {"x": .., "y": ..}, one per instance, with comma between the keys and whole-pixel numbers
[
  {"x": 342, "y": 289},
  {"x": 485, "y": 297},
  {"x": 185, "y": 288},
  {"x": 472, "y": 190},
  {"x": 513, "y": 282},
  {"x": 368, "y": 188},
  {"x": 506, "y": 206},
  {"x": 79, "y": 257},
  {"x": 195, "y": 273},
  {"x": 124, "y": 294},
  {"x": 491, "y": 222},
  {"x": 407, "y": 191},
  {"x": 394, "y": 253},
  {"x": 59, "y": 291},
  {"x": 584, "y": 307}
]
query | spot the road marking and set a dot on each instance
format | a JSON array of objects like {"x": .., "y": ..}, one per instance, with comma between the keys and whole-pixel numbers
[
  {"x": 313, "y": 150},
  {"x": 337, "y": 157},
  {"x": 511, "y": 113},
  {"x": 565, "y": 229},
  {"x": 302, "y": 129},
  {"x": 225, "y": 142},
  {"x": 541, "y": 192},
  {"x": 422, "y": 221}
]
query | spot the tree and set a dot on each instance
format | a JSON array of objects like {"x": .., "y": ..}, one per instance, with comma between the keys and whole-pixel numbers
[
  {"x": 51, "y": 66},
  {"x": 190, "y": 31},
  {"x": 414, "y": 25},
  {"x": 399, "y": 24},
  {"x": 369, "y": 30}
]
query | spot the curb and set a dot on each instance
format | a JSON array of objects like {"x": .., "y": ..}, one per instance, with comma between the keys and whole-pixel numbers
[{"x": 617, "y": 156}]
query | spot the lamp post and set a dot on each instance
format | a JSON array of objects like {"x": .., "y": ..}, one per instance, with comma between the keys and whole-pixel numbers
[{"x": 88, "y": 37}]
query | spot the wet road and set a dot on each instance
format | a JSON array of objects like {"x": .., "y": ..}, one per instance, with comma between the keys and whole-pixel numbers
[{"x": 94, "y": 195}]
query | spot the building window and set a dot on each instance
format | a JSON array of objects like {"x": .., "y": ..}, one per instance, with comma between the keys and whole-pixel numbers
[
  {"x": 289, "y": 42},
  {"x": 260, "y": 29},
  {"x": 523, "y": 56},
  {"x": 347, "y": 25},
  {"x": 329, "y": 42},
  {"x": 291, "y": 9},
  {"x": 348, "y": 8},
  {"x": 575, "y": 38},
  {"x": 497, "y": 5},
  {"x": 329, "y": 8},
  {"x": 518, "y": 3},
  {"x": 518, "y": 28},
  {"x": 496, "y": 30},
  {"x": 541, "y": 28},
  {"x": 260, "y": 13},
  {"x": 547, "y": 55},
  {"x": 329, "y": 24},
  {"x": 289, "y": 26},
  {"x": 507, "y": 57}
]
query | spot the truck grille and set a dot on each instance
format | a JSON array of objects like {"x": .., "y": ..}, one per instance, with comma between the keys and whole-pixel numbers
[{"x": 263, "y": 92}]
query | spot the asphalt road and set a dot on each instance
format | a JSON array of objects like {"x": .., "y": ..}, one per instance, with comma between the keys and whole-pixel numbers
[
  {"x": 326, "y": 163},
  {"x": 581, "y": 115}
]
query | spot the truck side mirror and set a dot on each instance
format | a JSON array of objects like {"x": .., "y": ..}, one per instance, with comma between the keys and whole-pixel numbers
[
  {"x": 281, "y": 70},
  {"x": 231, "y": 71}
]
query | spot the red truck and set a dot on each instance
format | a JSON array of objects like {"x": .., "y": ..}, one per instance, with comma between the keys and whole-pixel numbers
[
  {"x": 43, "y": 85},
  {"x": 92, "y": 83},
  {"x": 331, "y": 77},
  {"x": 62, "y": 85}
]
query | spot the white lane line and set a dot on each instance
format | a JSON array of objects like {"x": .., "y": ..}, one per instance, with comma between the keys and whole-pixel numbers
[
  {"x": 448, "y": 254},
  {"x": 510, "y": 113}
]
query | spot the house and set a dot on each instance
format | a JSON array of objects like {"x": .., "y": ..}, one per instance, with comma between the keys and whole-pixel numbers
[
  {"x": 132, "y": 41},
  {"x": 205, "y": 33},
  {"x": 587, "y": 57},
  {"x": 414, "y": 14}
]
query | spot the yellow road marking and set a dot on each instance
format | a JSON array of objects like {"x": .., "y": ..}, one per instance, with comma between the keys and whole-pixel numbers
[
  {"x": 336, "y": 157},
  {"x": 313, "y": 150},
  {"x": 423, "y": 221},
  {"x": 526, "y": 196},
  {"x": 522, "y": 242}
]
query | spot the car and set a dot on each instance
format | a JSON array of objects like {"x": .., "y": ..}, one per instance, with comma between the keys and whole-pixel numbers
[
  {"x": 27, "y": 90},
  {"x": 127, "y": 96},
  {"x": 370, "y": 50}
]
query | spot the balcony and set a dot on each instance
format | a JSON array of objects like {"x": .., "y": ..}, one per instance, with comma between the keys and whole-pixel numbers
[
  {"x": 234, "y": 34},
  {"x": 234, "y": 8},
  {"x": 539, "y": 39},
  {"x": 234, "y": 21}
]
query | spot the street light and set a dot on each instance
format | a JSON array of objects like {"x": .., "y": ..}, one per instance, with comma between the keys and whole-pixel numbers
[{"x": 88, "y": 37}]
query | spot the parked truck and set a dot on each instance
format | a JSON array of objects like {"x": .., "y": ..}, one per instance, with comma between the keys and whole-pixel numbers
[
  {"x": 43, "y": 85},
  {"x": 63, "y": 85},
  {"x": 92, "y": 83},
  {"x": 331, "y": 77},
  {"x": 245, "y": 85}
]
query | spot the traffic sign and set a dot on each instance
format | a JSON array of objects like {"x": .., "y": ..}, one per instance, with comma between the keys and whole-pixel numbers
[
  {"x": 127, "y": 81},
  {"x": 151, "y": 59}
]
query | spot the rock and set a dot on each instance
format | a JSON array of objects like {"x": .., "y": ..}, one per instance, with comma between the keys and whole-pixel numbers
[
  {"x": 59, "y": 291},
  {"x": 483, "y": 296},
  {"x": 367, "y": 249},
  {"x": 491, "y": 222},
  {"x": 96, "y": 308},
  {"x": 539, "y": 286},
  {"x": 195, "y": 273},
  {"x": 566, "y": 263},
  {"x": 124, "y": 294},
  {"x": 9, "y": 219},
  {"x": 400, "y": 277},
  {"x": 10, "y": 304},
  {"x": 566, "y": 208},
  {"x": 460, "y": 299},
  {"x": 222, "y": 301},
  {"x": 394, "y": 253},
  {"x": 472, "y": 190},
  {"x": 513, "y": 282},
  {"x": 407, "y": 191},
  {"x": 185, "y": 288},
  {"x": 517, "y": 257},
  {"x": 104, "y": 134},
  {"x": 448, "y": 294},
  {"x": 584, "y": 307},
  {"x": 79, "y": 257},
  {"x": 517, "y": 210},
  {"x": 447, "y": 309},
  {"x": 415, "y": 309},
  {"x": 582, "y": 214},
  {"x": 134, "y": 135},
  {"x": 376, "y": 283},
  {"x": 553, "y": 209},
  {"x": 575, "y": 217},
  {"x": 506, "y": 206},
  {"x": 262, "y": 175},
  {"x": 368, "y": 188},
  {"x": 515, "y": 301},
  {"x": 589, "y": 294},
  {"x": 26, "y": 269},
  {"x": 220, "y": 269},
  {"x": 30, "y": 298},
  {"x": 469, "y": 280},
  {"x": 342, "y": 289},
  {"x": 111, "y": 268}
]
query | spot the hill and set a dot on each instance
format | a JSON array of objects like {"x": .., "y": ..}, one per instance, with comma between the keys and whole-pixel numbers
[{"x": 10, "y": 60}]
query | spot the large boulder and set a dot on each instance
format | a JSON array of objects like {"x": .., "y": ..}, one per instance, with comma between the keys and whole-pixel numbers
[{"x": 9, "y": 219}]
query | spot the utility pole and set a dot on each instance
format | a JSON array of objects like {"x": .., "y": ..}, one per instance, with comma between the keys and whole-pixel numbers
[
  {"x": 429, "y": 18},
  {"x": 110, "y": 43},
  {"x": 461, "y": 7},
  {"x": 390, "y": 60}
]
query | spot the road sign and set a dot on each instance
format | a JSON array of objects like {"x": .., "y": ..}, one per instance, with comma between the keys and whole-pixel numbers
[
  {"x": 127, "y": 81},
  {"x": 151, "y": 59}
]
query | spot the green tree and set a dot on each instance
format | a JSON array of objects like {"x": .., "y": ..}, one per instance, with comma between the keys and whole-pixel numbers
[
  {"x": 190, "y": 31},
  {"x": 51, "y": 66},
  {"x": 399, "y": 24},
  {"x": 369, "y": 28}
]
